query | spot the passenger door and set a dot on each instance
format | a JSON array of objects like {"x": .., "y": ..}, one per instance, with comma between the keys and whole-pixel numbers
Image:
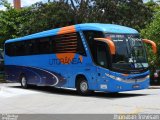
[{"x": 103, "y": 64}]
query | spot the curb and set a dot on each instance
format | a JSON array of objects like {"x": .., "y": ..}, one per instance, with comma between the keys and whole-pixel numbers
[{"x": 154, "y": 87}]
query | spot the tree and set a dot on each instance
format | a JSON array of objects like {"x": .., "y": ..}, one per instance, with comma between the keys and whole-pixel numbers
[
  {"x": 154, "y": 6},
  {"x": 81, "y": 9},
  {"x": 5, "y": 4},
  {"x": 11, "y": 22},
  {"x": 47, "y": 16},
  {"x": 152, "y": 31},
  {"x": 36, "y": 18},
  {"x": 44, "y": 16},
  {"x": 132, "y": 13}
]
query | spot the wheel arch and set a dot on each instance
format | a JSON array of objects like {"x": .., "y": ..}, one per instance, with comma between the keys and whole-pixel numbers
[
  {"x": 20, "y": 75},
  {"x": 81, "y": 76}
]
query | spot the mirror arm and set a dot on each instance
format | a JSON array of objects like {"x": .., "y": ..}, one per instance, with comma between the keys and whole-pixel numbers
[
  {"x": 154, "y": 46},
  {"x": 110, "y": 44}
]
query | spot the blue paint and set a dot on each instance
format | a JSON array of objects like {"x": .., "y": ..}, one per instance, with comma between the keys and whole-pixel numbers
[
  {"x": 40, "y": 71},
  {"x": 107, "y": 28}
]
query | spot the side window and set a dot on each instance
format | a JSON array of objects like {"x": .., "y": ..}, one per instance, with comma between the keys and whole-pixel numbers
[
  {"x": 68, "y": 43},
  {"x": 90, "y": 35},
  {"x": 15, "y": 49},
  {"x": 31, "y": 47},
  {"x": 101, "y": 54},
  {"x": 20, "y": 48},
  {"x": 44, "y": 46},
  {"x": 80, "y": 46},
  {"x": 8, "y": 49}
]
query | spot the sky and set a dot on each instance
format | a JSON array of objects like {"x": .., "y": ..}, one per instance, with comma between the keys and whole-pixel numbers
[
  {"x": 30, "y": 2},
  {"x": 24, "y": 3}
]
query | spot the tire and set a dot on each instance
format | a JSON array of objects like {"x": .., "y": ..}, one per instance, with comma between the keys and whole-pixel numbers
[
  {"x": 23, "y": 81},
  {"x": 82, "y": 87}
]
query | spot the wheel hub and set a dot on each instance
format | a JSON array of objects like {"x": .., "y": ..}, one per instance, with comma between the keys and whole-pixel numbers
[
  {"x": 83, "y": 86},
  {"x": 23, "y": 81}
]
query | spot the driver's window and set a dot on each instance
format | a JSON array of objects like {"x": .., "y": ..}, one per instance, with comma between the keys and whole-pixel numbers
[
  {"x": 89, "y": 36},
  {"x": 101, "y": 54}
]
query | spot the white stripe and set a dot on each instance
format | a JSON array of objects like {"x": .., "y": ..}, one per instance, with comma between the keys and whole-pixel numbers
[{"x": 57, "y": 80}]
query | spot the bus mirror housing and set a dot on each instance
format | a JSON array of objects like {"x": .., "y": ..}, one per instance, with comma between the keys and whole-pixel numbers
[
  {"x": 154, "y": 46},
  {"x": 109, "y": 43}
]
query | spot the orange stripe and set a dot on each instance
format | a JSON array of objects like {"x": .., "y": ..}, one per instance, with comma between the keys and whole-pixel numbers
[
  {"x": 64, "y": 56},
  {"x": 68, "y": 29},
  {"x": 125, "y": 74}
]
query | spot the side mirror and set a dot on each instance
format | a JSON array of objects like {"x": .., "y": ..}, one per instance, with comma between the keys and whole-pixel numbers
[
  {"x": 154, "y": 46},
  {"x": 110, "y": 44}
]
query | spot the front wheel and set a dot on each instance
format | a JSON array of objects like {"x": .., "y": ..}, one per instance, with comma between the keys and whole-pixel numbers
[
  {"x": 82, "y": 87},
  {"x": 23, "y": 81}
]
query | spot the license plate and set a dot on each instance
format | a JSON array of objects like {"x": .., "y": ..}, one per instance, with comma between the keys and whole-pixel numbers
[{"x": 136, "y": 86}]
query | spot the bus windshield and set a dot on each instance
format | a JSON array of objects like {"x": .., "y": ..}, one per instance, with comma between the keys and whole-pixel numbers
[{"x": 130, "y": 53}]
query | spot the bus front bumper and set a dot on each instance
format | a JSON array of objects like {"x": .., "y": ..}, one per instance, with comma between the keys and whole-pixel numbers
[{"x": 117, "y": 86}]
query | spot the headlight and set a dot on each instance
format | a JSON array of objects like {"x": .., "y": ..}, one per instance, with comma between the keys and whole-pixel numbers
[
  {"x": 114, "y": 77},
  {"x": 130, "y": 80},
  {"x": 119, "y": 79}
]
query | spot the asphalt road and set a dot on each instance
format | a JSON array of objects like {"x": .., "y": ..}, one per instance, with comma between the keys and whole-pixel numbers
[{"x": 47, "y": 100}]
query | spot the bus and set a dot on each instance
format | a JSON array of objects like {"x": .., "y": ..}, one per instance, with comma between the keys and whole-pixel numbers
[{"x": 87, "y": 57}]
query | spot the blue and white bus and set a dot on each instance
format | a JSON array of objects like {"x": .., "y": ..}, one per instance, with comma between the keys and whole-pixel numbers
[{"x": 88, "y": 57}]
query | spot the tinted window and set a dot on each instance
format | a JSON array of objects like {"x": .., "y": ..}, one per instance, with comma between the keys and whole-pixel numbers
[
  {"x": 8, "y": 49},
  {"x": 15, "y": 49},
  {"x": 19, "y": 48},
  {"x": 101, "y": 54},
  {"x": 90, "y": 35},
  {"x": 67, "y": 43},
  {"x": 31, "y": 47},
  {"x": 44, "y": 46}
]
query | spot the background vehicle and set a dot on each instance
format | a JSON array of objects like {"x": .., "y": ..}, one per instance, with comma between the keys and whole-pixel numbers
[
  {"x": 88, "y": 57},
  {"x": 1, "y": 61}
]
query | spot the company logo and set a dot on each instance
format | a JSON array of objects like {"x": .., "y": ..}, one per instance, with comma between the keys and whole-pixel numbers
[
  {"x": 66, "y": 58},
  {"x": 69, "y": 58}
]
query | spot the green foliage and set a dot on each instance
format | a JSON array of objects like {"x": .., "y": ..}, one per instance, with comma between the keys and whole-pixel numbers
[
  {"x": 11, "y": 22},
  {"x": 38, "y": 17},
  {"x": 44, "y": 16},
  {"x": 154, "y": 6},
  {"x": 152, "y": 31},
  {"x": 132, "y": 13},
  {"x": 47, "y": 16},
  {"x": 5, "y": 4}
]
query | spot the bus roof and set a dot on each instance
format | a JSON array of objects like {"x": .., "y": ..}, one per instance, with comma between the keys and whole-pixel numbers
[{"x": 107, "y": 28}]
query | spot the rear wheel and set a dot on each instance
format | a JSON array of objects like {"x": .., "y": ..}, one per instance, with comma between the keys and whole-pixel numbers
[
  {"x": 82, "y": 87},
  {"x": 23, "y": 81}
]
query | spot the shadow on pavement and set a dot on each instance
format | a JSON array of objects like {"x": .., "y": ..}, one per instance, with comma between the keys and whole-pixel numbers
[{"x": 52, "y": 90}]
